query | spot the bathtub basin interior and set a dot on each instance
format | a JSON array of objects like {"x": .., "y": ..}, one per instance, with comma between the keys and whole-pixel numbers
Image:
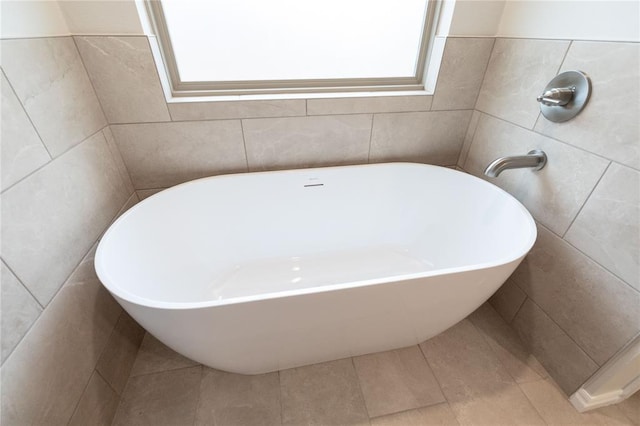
[{"x": 238, "y": 238}]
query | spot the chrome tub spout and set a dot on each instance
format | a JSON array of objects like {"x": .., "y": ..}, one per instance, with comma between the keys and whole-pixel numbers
[{"x": 535, "y": 159}]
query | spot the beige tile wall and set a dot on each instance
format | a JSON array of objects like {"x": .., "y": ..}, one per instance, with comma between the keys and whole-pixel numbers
[
  {"x": 575, "y": 299},
  {"x": 63, "y": 182},
  {"x": 53, "y": 214},
  {"x": 209, "y": 138}
]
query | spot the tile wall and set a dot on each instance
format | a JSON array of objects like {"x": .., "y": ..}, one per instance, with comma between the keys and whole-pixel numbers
[
  {"x": 63, "y": 182},
  {"x": 576, "y": 298},
  {"x": 166, "y": 144},
  {"x": 86, "y": 133}
]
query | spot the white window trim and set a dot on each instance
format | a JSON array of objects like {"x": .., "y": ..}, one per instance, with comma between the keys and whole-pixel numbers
[{"x": 423, "y": 84}]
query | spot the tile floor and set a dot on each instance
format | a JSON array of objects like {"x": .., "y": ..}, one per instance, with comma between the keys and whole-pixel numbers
[{"x": 476, "y": 373}]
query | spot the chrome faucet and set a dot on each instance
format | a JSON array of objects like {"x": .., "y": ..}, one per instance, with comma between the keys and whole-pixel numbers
[{"x": 535, "y": 159}]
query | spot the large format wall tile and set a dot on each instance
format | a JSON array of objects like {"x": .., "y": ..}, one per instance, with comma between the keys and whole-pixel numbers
[
  {"x": 461, "y": 72},
  {"x": 608, "y": 226},
  {"x": 425, "y": 137},
  {"x": 609, "y": 124},
  {"x": 52, "y": 218},
  {"x": 555, "y": 194},
  {"x": 52, "y": 84},
  {"x": 283, "y": 143},
  {"x": 364, "y": 105},
  {"x": 518, "y": 71},
  {"x": 22, "y": 149},
  {"x": 125, "y": 77},
  {"x": 186, "y": 111},
  {"x": 45, "y": 376},
  {"x": 160, "y": 155},
  {"x": 599, "y": 311},
  {"x": 565, "y": 361},
  {"x": 19, "y": 311}
]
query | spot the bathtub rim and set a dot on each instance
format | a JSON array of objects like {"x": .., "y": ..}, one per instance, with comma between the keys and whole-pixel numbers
[{"x": 122, "y": 293}]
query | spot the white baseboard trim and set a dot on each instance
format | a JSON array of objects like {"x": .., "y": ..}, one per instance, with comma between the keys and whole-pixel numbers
[{"x": 614, "y": 382}]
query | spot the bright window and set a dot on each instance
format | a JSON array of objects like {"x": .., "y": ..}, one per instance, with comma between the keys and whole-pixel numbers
[{"x": 277, "y": 46}]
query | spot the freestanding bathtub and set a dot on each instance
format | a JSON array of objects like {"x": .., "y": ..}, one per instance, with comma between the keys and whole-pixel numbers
[{"x": 257, "y": 272}]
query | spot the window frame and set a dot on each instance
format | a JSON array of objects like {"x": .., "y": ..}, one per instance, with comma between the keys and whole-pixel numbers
[{"x": 181, "y": 89}]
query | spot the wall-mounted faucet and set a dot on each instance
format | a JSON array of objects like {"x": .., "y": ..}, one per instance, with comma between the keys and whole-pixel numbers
[{"x": 535, "y": 159}]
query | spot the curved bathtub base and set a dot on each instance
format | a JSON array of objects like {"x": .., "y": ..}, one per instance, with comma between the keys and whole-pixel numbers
[{"x": 299, "y": 279}]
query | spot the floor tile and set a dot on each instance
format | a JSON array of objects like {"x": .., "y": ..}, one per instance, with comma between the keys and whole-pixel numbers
[
  {"x": 168, "y": 398},
  {"x": 120, "y": 354},
  {"x": 439, "y": 414},
  {"x": 507, "y": 346},
  {"x": 154, "y": 357},
  {"x": 631, "y": 408},
  {"x": 396, "y": 381},
  {"x": 556, "y": 409},
  {"x": 98, "y": 404},
  {"x": 234, "y": 399},
  {"x": 322, "y": 394},
  {"x": 477, "y": 386}
]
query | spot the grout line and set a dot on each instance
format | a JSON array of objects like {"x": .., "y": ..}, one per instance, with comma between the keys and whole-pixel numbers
[
  {"x": 71, "y": 274},
  {"x": 558, "y": 325},
  {"x": 151, "y": 373},
  {"x": 93, "y": 87},
  {"x": 291, "y": 116},
  {"x": 588, "y": 257},
  {"x": 107, "y": 382},
  {"x": 586, "y": 200},
  {"x": 195, "y": 413},
  {"x": 244, "y": 144},
  {"x": 118, "y": 153},
  {"x": 535, "y": 407},
  {"x": 552, "y": 138},
  {"x": 28, "y": 116},
  {"x": 520, "y": 305},
  {"x": 564, "y": 57},
  {"x": 42, "y": 308},
  {"x": 486, "y": 339},
  {"x": 435, "y": 376},
  {"x": 373, "y": 120},
  {"x": 156, "y": 72},
  {"x": 484, "y": 74},
  {"x": 306, "y": 107},
  {"x": 84, "y": 390},
  {"x": 23, "y": 284},
  {"x": 567, "y": 39},
  {"x": 412, "y": 409},
  {"x": 171, "y": 120},
  {"x": 53, "y": 160},
  {"x": 364, "y": 400},
  {"x": 280, "y": 393}
]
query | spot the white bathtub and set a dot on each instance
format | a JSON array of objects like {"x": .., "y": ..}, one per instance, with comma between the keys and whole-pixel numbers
[{"x": 258, "y": 272}]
